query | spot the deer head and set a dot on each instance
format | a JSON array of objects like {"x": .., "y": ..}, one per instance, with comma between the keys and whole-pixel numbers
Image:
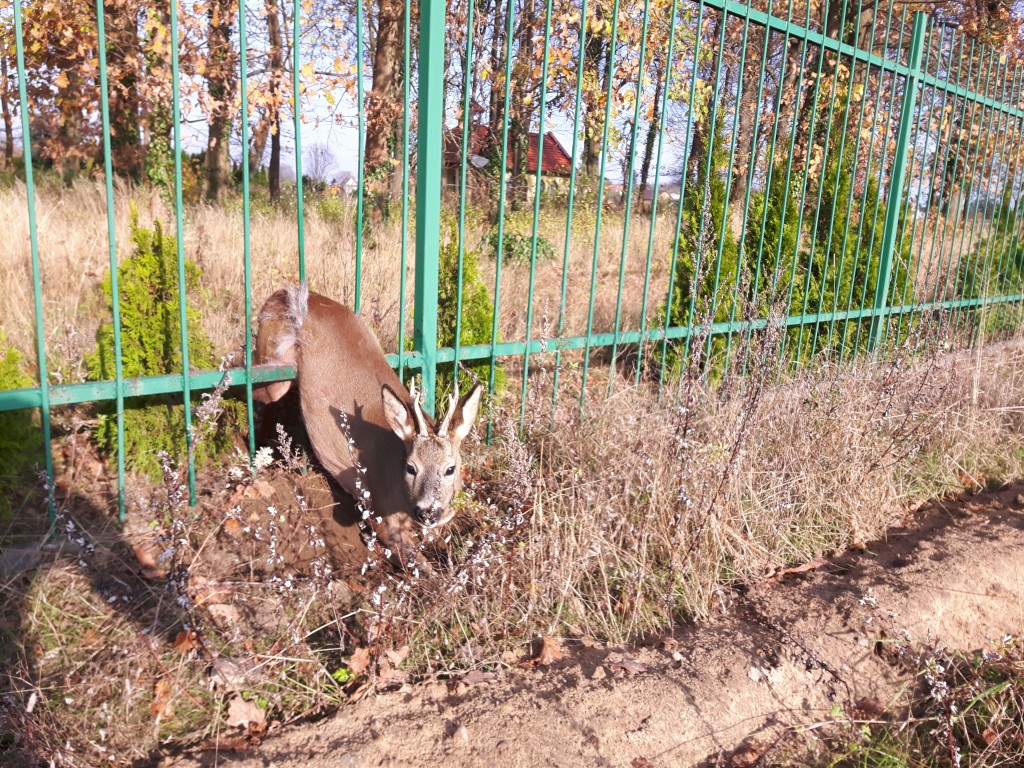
[{"x": 432, "y": 462}]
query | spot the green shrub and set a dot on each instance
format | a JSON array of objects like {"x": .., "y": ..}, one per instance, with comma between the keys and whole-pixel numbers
[
  {"x": 776, "y": 266},
  {"x": 477, "y": 315},
  {"x": 995, "y": 266},
  {"x": 151, "y": 345},
  {"x": 518, "y": 247},
  {"x": 704, "y": 260},
  {"x": 20, "y": 441},
  {"x": 330, "y": 209}
]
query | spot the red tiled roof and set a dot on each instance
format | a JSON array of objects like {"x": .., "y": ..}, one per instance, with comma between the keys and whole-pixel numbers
[{"x": 556, "y": 160}]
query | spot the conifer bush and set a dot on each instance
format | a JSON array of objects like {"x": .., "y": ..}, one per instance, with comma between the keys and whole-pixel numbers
[
  {"x": 477, "y": 316},
  {"x": 20, "y": 441},
  {"x": 151, "y": 345},
  {"x": 777, "y": 270}
]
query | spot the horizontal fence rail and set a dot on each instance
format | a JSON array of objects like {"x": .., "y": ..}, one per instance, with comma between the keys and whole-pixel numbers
[{"x": 636, "y": 185}]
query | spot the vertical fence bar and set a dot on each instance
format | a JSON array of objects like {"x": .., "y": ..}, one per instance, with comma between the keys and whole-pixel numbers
[
  {"x": 243, "y": 71},
  {"x": 628, "y": 191},
  {"x": 733, "y": 137},
  {"x": 656, "y": 193},
  {"x": 802, "y": 207},
  {"x": 984, "y": 248},
  {"x": 600, "y": 202},
  {"x": 967, "y": 233},
  {"x": 428, "y": 190},
  {"x": 463, "y": 171},
  {"x": 873, "y": 234},
  {"x": 115, "y": 299},
  {"x": 939, "y": 295},
  {"x": 913, "y": 266},
  {"x": 37, "y": 286},
  {"x": 538, "y": 189},
  {"x": 570, "y": 204},
  {"x": 776, "y": 112},
  {"x": 741, "y": 272},
  {"x": 896, "y": 180},
  {"x": 179, "y": 224},
  {"x": 361, "y": 184},
  {"x": 706, "y": 199},
  {"x": 848, "y": 206},
  {"x": 1007, "y": 259},
  {"x": 499, "y": 252},
  {"x": 297, "y": 120},
  {"x": 404, "y": 261},
  {"x": 674, "y": 261},
  {"x": 823, "y": 279}
]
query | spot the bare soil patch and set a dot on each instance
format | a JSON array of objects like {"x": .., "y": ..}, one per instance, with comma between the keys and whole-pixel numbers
[{"x": 780, "y": 658}]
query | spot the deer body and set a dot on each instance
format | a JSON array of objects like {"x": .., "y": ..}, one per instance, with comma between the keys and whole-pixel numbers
[{"x": 411, "y": 462}]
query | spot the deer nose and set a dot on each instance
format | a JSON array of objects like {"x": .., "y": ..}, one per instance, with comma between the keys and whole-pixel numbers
[{"x": 429, "y": 515}]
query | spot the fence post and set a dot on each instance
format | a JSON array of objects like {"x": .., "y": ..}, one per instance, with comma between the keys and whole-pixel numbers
[
  {"x": 428, "y": 190},
  {"x": 897, "y": 179}
]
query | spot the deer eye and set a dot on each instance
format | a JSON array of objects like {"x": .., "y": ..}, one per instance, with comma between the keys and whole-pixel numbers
[
  {"x": 410, "y": 469},
  {"x": 450, "y": 471}
]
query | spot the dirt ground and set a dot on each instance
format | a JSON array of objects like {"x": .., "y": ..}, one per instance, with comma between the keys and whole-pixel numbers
[{"x": 783, "y": 655}]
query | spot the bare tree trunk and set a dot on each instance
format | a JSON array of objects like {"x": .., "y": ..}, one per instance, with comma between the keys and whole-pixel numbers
[
  {"x": 384, "y": 106},
  {"x": 221, "y": 82},
  {"x": 595, "y": 53},
  {"x": 652, "y": 130},
  {"x": 497, "y": 58},
  {"x": 273, "y": 116},
  {"x": 5, "y": 107},
  {"x": 746, "y": 154},
  {"x": 258, "y": 142},
  {"x": 700, "y": 132},
  {"x": 125, "y": 99}
]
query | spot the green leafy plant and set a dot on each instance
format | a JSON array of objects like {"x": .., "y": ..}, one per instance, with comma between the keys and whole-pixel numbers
[
  {"x": 151, "y": 345},
  {"x": 517, "y": 241},
  {"x": 477, "y": 317},
  {"x": 20, "y": 441},
  {"x": 706, "y": 259}
]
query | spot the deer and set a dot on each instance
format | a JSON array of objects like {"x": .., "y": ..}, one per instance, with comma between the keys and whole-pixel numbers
[{"x": 412, "y": 462}]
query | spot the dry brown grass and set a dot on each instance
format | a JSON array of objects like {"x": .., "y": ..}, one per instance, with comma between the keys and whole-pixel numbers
[
  {"x": 644, "y": 512},
  {"x": 615, "y": 522},
  {"x": 74, "y": 255},
  {"x": 622, "y": 521}
]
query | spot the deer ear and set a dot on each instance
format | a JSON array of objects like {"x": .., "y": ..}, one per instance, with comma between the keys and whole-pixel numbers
[
  {"x": 465, "y": 413},
  {"x": 398, "y": 416}
]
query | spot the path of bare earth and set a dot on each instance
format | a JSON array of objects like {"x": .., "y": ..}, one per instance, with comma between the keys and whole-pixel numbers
[{"x": 782, "y": 654}]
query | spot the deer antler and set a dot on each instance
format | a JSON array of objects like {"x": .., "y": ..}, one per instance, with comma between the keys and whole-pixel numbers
[
  {"x": 417, "y": 412},
  {"x": 453, "y": 401}
]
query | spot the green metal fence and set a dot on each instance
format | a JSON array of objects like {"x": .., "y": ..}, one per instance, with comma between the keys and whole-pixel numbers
[{"x": 844, "y": 172}]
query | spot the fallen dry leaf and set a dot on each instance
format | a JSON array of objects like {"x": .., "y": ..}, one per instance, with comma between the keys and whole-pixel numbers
[
  {"x": 550, "y": 651},
  {"x": 396, "y": 657},
  {"x": 223, "y": 614},
  {"x": 264, "y": 489},
  {"x": 161, "y": 704},
  {"x": 185, "y": 641},
  {"x": 145, "y": 556},
  {"x": 972, "y": 480},
  {"x": 631, "y": 666},
  {"x": 476, "y": 677},
  {"x": 748, "y": 755},
  {"x": 245, "y": 713},
  {"x": 808, "y": 566},
  {"x": 359, "y": 661},
  {"x": 232, "y": 527},
  {"x": 206, "y": 592},
  {"x": 229, "y": 673}
]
